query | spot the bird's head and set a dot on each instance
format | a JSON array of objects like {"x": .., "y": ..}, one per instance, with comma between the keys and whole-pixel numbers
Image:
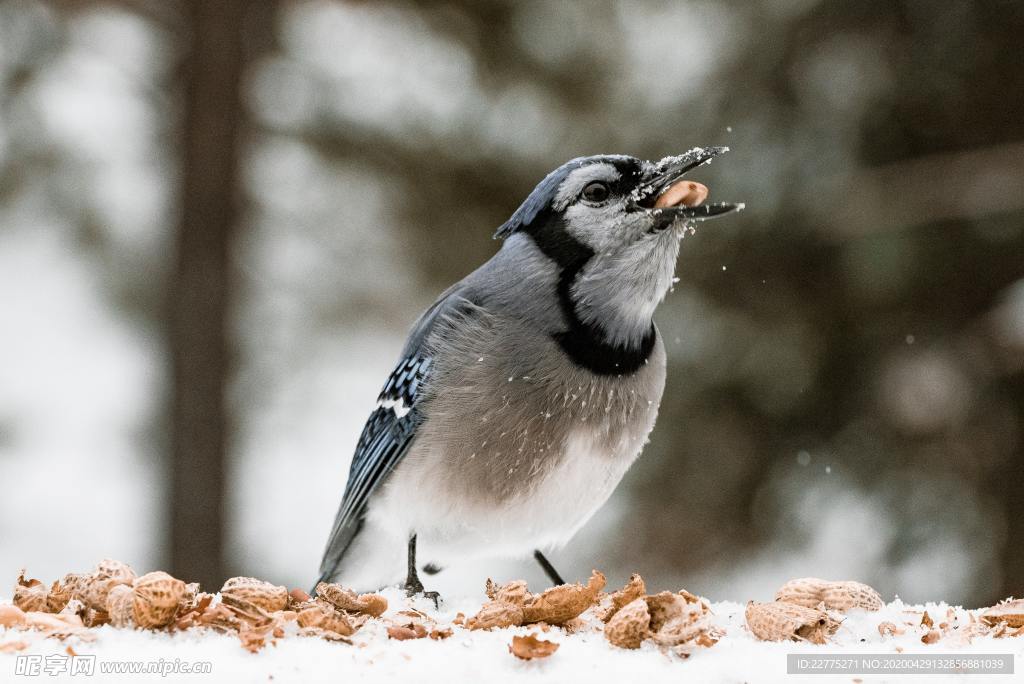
[
  {"x": 612, "y": 223},
  {"x": 609, "y": 201}
]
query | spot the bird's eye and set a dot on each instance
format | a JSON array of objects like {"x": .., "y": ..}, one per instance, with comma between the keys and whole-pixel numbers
[{"x": 596, "y": 192}]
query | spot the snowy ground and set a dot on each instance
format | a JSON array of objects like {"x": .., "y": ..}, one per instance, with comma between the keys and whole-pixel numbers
[{"x": 484, "y": 655}]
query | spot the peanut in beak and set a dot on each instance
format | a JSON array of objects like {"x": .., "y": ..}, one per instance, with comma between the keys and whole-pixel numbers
[{"x": 685, "y": 193}]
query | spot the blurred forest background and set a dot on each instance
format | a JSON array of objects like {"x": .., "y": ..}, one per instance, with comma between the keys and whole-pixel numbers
[{"x": 218, "y": 220}]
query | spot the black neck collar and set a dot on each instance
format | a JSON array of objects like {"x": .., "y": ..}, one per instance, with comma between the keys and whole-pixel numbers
[{"x": 584, "y": 343}]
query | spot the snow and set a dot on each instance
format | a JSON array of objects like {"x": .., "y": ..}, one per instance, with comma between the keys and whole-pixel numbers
[{"x": 484, "y": 656}]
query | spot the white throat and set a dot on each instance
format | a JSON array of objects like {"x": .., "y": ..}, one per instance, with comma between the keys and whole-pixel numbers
[{"x": 619, "y": 293}]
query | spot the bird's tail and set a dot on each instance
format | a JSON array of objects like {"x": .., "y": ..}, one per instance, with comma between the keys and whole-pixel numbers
[{"x": 338, "y": 544}]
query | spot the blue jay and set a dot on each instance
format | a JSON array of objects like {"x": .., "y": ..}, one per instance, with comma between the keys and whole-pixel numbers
[{"x": 526, "y": 391}]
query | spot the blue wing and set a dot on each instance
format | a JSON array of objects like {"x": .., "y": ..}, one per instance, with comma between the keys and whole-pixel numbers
[
  {"x": 386, "y": 437},
  {"x": 388, "y": 433}
]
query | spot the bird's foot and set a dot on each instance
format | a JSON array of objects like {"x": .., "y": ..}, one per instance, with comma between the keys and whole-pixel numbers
[
  {"x": 413, "y": 587},
  {"x": 416, "y": 589}
]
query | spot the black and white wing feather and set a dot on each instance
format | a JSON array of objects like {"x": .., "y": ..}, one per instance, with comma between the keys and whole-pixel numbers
[{"x": 387, "y": 435}]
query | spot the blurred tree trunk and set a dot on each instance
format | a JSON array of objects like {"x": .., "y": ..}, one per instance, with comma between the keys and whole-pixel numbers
[{"x": 219, "y": 47}]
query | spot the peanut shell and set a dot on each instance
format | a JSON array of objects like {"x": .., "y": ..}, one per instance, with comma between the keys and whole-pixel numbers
[
  {"x": 121, "y": 606},
  {"x": 805, "y": 591},
  {"x": 1011, "y": 612},
  {"x": 530, "y": 647},
  {"x": 269, "y": 597},
  {"x": 843, "y": 596},
  {"x": 326, "y": 617},
  {"x": 633, "y": 590},
  {"x": 496, "y": 614},
  {"x": 812, "y": 592},
  {"x": 157, "y": 596},
  {"x": 785, "y": 621},
  {"x": 560, "y": 604},
  {"x": 347, "y": 600},
  {"x": 31, "y": 595},
  {"x": 629, "y": 626},
  {"x": 92, "y": 589}
]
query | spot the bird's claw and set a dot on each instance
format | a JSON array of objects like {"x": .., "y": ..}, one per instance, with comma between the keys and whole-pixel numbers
[
  {"x": 415, "y": 588},
  {"x": 433, "y": 596}
]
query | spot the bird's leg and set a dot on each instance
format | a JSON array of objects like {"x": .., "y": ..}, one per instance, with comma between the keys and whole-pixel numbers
[
  {"x": 412, "y": 579},
  {"x": 548, "y": 568}
]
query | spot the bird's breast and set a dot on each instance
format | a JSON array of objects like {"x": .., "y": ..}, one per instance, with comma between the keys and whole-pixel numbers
[{"x": 521, "y": 447}]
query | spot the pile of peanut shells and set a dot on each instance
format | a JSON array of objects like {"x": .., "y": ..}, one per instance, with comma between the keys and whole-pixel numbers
[
  {"x": 255, "y": 610},
  {"x": 679, "y": 622},
  {"x": 259, "y": 612},
  {"x": 811, "y": 609}
]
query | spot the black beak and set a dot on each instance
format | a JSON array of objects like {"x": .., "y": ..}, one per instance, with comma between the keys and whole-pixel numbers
[{"x": 671, "y": 169}]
